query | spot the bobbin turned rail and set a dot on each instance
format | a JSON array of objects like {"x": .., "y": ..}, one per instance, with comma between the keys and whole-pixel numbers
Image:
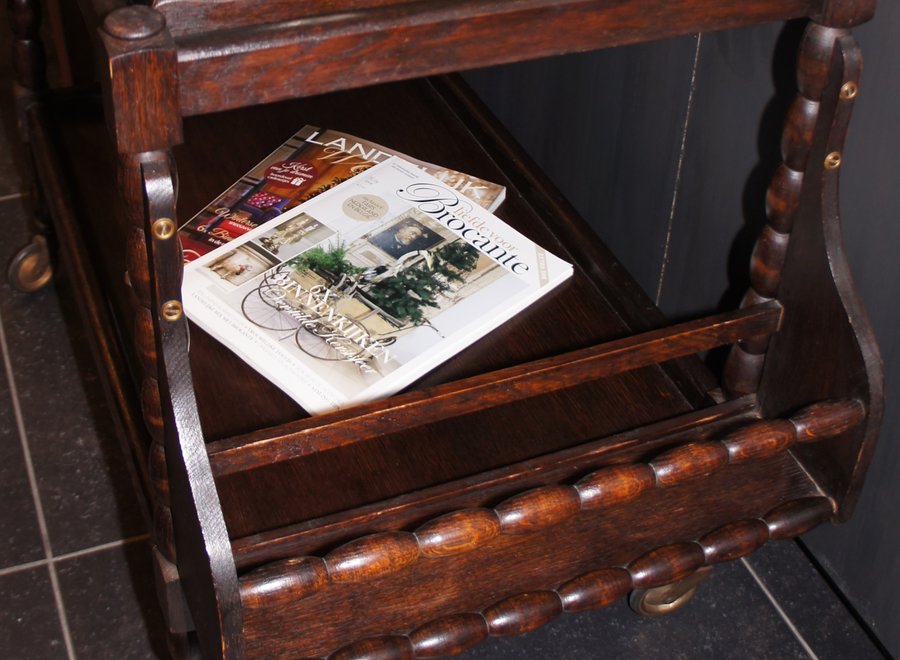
[
  {"x": 579, "y": 453},
  {"x": 521, "y": 613},
  {"x": 553, "y": 543}
]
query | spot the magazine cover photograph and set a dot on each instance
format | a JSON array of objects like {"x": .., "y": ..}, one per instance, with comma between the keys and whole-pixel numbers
[
  {"x": 310, "y": 162},
  {"x": 363, "y": 289}
]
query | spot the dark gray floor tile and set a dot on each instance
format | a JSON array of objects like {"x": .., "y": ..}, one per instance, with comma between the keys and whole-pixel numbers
[
  {"x": 820, "y": 617},
  {"x": 111, "y": 604},
  {"x": 20, "y": 538},
  {"x": 729, "y": 617},
  {"x": 83, "y": 480},
  {"x": 29, "y": 624}
]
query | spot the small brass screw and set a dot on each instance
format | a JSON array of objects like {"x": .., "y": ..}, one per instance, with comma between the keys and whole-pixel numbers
[
  {"x": 849, "y": 90},
  {"x": 172, "y": 311},
  {"x": 164, "y": 229},
  {"x": 833, "y": 160}
]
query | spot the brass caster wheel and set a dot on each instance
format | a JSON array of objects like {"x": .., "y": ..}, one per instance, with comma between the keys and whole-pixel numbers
[
  {"x": 30, "y": 270},
  {"x": 659, "y": 601}
]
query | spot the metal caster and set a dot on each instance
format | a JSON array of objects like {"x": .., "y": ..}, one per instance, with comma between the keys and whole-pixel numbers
[
  {"x": 30, "y": 270},
  {"x": 659, "y": 601}
]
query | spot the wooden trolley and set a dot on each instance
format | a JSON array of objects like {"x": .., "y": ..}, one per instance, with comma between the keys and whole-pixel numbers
[{"x": 578, "y": 454}]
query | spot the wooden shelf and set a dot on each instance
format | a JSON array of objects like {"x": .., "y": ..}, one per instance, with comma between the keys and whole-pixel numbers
[{"x": 468, "y": 438}]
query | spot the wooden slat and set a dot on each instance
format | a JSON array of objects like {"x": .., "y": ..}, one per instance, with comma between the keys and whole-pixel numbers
[
  {"x": 416, "y": 409},
  {"x": 316, "y": 54}
]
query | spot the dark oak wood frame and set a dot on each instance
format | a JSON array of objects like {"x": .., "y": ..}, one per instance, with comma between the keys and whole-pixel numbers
[{"x": 542, "y": 471}]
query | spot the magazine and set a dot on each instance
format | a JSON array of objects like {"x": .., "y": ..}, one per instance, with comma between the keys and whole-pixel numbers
[
  {"x": 361, "y": 290},
  {"x": 310, "y": 162}
]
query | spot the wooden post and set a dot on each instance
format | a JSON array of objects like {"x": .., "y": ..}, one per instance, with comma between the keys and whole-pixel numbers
[{"x": 141, "y": 95}]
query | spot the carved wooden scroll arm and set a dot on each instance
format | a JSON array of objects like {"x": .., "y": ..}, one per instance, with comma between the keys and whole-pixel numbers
[{"x": 825, "y": 347}]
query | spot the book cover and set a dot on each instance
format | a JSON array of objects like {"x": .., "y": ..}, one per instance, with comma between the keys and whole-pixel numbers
[
  {"x": 361, "y": 290},
  {"x": 310, "y": 162}
]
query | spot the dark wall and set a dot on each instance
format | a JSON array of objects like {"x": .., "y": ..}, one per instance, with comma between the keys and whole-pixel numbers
[{"x": 666, "y": 149}]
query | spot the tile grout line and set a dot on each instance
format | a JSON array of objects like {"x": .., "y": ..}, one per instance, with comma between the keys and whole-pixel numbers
[
  {"x": 119, "y": 543},
  {"x": 35, "y": 494},
  {"x": 19, "y": 568},
  {"x": 76, "y": 554},
  {"x": 784, "y": 616}
]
